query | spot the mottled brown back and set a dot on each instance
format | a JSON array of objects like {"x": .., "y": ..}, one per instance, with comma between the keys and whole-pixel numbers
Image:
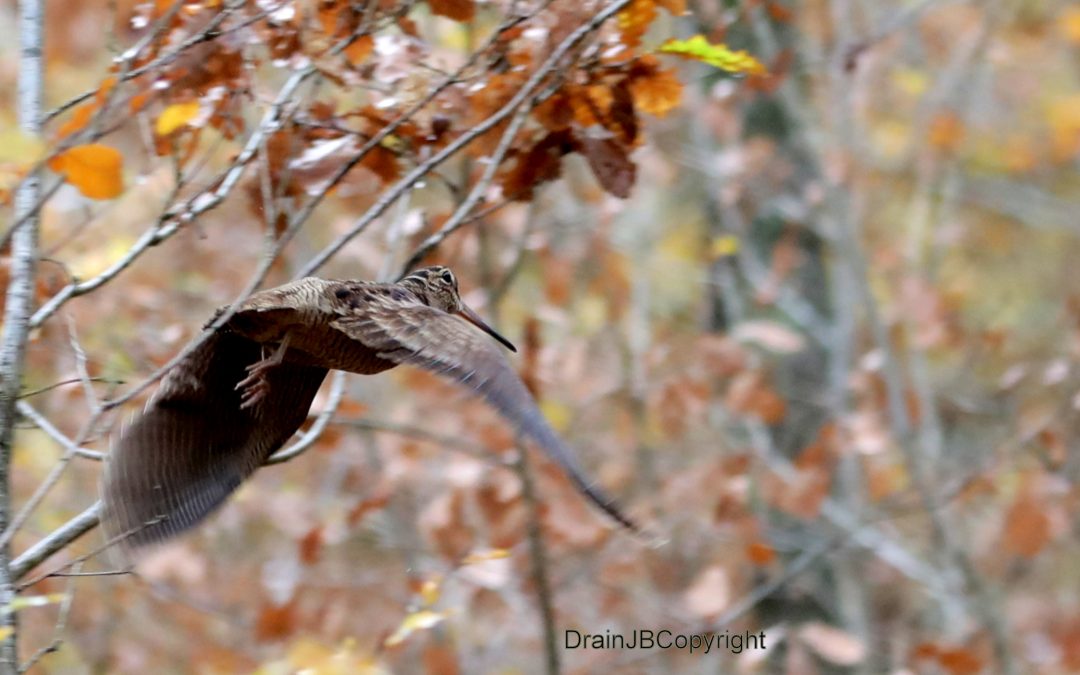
[
  {"x": 199, "y": 439},
  {"x": 193, "y": 445}
]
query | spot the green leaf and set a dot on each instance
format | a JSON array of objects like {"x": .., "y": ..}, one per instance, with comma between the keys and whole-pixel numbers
[{"x": 718, "y": 56}]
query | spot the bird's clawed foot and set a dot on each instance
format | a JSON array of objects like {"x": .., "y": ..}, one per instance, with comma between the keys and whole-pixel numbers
[{"x": 256, "y": 386}]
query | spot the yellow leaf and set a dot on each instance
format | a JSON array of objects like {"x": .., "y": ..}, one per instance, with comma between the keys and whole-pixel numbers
[
  {"x": 483, "y": 556},
  {"x": 23, "y": 602},
  {"x": 1064, "y": 118},
  {"x": 421, "y": 620},
  {"x": 429, "y": 592},
  {"x": 910, "y": 81},
  {"x": 96, "y": 170},
  {"x": 19, "y": 147},
  {"x": 718, "y": 56},
  {"x": 176, "y": 116},
  {"x": 557, "y": 414},
  {"x": 5, "y": 632},
  {"x": 724, "y": 246},
  {"x": 1069, "y": 22}
]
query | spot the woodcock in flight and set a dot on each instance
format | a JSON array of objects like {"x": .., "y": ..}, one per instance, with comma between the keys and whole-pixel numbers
[{"x": 239, "y": 396}]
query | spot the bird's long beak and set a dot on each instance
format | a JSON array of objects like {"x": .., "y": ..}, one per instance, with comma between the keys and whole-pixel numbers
[{"x": 474, "y": 318}]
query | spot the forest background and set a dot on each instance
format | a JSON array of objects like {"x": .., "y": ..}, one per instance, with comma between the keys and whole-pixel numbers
[{"x": 813, "y": 318}]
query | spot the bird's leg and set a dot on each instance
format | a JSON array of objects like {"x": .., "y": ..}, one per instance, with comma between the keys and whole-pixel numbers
[{"x": 255, "y": 386}]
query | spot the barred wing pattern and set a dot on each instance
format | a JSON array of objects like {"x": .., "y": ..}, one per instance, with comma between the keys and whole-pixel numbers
[
  {"x": 416, "y": 334},
  {"x": 193, "y": 445},
  {"x": 199, "y": 437}
]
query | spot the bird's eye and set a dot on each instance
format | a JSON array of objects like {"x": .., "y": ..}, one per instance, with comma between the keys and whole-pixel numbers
[{"x": 447, "y": 276}]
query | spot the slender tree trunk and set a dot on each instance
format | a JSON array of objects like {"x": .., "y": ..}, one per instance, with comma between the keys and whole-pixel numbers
[{"x": 20, "y": 297}]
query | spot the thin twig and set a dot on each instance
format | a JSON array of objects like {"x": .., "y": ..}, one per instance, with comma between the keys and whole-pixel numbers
[
  {"x": 477, "y": 193},
  {"x": 410, "y": 179},
  {"x": 308, "y": 438},
  {"x": 64, "y": 383},
  {"x": 56, "y": 541},
  {"x": 538, "y": 566},
  {"x": 41, "y": 422},
  {"x": 61, "y": 624}
]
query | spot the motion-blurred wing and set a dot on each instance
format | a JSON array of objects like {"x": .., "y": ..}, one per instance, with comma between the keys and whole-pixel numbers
[
  {"x": 423, "y": 336},
  {"x": 193, "y": 445}
]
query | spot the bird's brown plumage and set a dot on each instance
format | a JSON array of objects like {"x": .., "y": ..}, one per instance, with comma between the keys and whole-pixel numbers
[{"x": 200, "y": 436}]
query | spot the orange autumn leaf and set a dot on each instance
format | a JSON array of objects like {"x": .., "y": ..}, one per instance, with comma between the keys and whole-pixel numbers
[
  {"x": 590, "y": 103},
  {"x": 636, "y": 19},
  {"x": 96, "y": 170},
  {"x": 760, "y": 553},
  {"x": 275, "y": 622},
  {"x": 458, "y": 10},
  {"x": 106, "y": 86},
  {"x": 1069, "y": 24},
  {"x": 310, "y": 545},
  {"x": 675, "y": 7},
  {"x": 359, "y": 49},
  {"x": 79, "y": 119},
  {"x": 946, "y": 131},
  {"x": 138, "y": 102},
  {"x": 779, "y": 13},
  {"x": 1027, "y": 527},
  {"x": 656, "y": 90},
  {"x": 960, "y": 661}
]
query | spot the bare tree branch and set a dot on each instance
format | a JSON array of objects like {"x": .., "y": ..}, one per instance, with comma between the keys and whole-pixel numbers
[{"x": 20, "y": 297}]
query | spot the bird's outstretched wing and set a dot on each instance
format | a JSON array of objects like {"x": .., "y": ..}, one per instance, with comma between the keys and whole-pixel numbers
[
  {"x": 193, "y": 445},
  {"x": 416, "y": 334}
]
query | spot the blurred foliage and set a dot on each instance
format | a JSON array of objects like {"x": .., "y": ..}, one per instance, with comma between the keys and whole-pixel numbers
[{"x": 817, "y": 326}]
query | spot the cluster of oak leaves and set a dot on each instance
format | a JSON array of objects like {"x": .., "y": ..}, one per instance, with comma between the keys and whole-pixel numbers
[
  {"x": 196, "y": 79},
  {"x": 591, "y": 108}
]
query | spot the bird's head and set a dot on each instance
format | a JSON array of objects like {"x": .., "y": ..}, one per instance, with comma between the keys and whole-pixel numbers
[{"x": 437, "y": 287}]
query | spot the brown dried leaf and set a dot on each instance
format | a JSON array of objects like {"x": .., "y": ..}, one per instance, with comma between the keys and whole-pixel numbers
[
  {"x": 1027, "y": 527},
  {"x": 555, "y": 113},
  {"x": 621, "y": 114},
  {"x": 960, "y": 661},
  {"x": 383, "y": 163},
  {"x": 760, "y": 553},
  {"x": 311, "y": 545},
  {"x": 443, "y": 521},
  {"x": 750, "y": 394},
  {"x": 540, "y": 164},
  {"x": 276, "y": 622},
  {"x": 440, "y": 659},
  {"x": 458, "y": 10},
  {"x": 610, "y": 164}
]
